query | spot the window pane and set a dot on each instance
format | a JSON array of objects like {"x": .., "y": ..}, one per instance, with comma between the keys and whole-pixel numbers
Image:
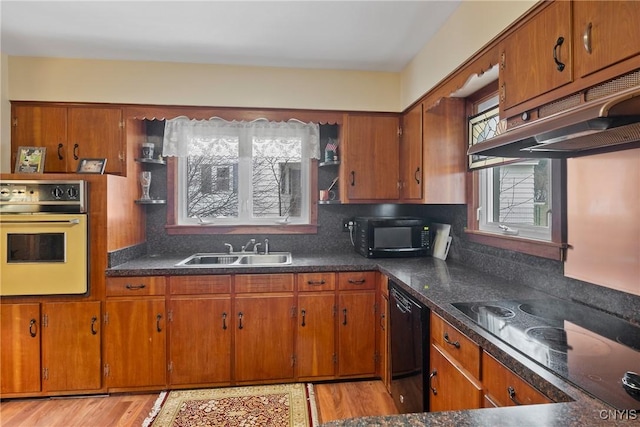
[
  {"x": 210, "y": 173},
  {"x": 277, "y": 189}
]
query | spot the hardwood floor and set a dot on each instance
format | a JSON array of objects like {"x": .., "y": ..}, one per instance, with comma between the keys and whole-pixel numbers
[{"x": 334, "y": 401}]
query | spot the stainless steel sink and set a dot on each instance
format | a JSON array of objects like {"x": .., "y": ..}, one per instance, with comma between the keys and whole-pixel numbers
[{"x": 238, "y": 259}]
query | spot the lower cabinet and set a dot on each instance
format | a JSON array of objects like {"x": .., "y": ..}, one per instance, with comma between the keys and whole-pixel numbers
[
  {"x": 502, "y": 387},
  {"x": 382, "y": 326},
  {"x": 135, "y": 333},
  {"x": 451, "y": 387},
  {"x": 46, "y": 339},
  {"x": 264, "y": 327}
]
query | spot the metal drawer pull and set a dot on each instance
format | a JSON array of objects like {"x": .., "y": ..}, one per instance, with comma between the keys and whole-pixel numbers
[
  {"x": 357, "y": 282},
  {"x": 446, "y": 339},
  {"x": 315, "y": 282},
  {"x": 431, "y": 375},
  {"x": 135, "y": 287},
  {"x": 344, "y": 312},
  {"x": 559, "y": 65},
  {"x": 75, "y": 151},
  {"x": 33, "y": 328},
  {"x": 586, "y": 37},
  {"x": 240, "y": 320},
  {"x": 304, "y": 314},
  {"x": 94, "y": 319},
  {"x": 224, "y": 320},
  {"x": 512, "y": 395},
  {"x": 158, "y": 319}
]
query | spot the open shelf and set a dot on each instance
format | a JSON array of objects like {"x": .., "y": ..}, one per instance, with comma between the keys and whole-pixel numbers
[
  {"x": 151, "y": 161},
  {"x": 150, "y": 201}
]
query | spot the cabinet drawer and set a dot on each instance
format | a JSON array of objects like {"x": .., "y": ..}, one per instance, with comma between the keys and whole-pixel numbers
[
  {"x": 454, "y": 342},
  {"x": 505, "y": 388},
  {"x": 357, "y": 280},
  {"x": 194, "y": 285},
  {"x": 264, "y": 283},
  {"x": 129, "y": 286},
  {"x": 316, "y": 282}
]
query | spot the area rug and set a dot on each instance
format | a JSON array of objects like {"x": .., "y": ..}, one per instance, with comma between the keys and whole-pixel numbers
[{"x": 282, "y": 405}]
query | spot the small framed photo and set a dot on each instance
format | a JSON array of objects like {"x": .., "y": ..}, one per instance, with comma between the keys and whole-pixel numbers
[
  {"x": 92, "y": 166},
  {"x": 30, "y": 159}
]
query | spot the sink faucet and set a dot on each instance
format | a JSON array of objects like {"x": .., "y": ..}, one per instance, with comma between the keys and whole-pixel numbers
[
  {"x": 228, "y": 245},
  {"x": 250, "y": 242},
  {"x": 266, "y": 246}
]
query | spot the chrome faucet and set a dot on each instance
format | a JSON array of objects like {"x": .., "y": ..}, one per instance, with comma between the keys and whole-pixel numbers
[
  {"x": 266, "y": 246},
  {"x": 228, "y": 245},
  {"x": 250, "y": 242}
]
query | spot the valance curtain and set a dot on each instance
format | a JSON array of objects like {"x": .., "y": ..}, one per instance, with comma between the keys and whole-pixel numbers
[{"x": 180, "y": 132}]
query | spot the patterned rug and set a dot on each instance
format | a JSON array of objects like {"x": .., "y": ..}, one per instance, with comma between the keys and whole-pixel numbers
[{"x": 282, "y": 405}]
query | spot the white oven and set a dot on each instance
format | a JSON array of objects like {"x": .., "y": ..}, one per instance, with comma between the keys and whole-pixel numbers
[{"x": 43, "y": 238}]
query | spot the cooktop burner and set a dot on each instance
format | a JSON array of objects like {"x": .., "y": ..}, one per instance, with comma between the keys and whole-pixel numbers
[{"x": 589, "y": 348}]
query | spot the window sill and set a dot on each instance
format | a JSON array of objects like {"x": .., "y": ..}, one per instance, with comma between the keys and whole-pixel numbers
[
  {"x": 253, "y": 229},
  {"x": 549, "y": 250}
]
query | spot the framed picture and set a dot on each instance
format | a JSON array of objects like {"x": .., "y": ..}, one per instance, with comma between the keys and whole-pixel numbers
[
  {"x": 30, "y": 159},
  {"x": 92, "y": 166}
]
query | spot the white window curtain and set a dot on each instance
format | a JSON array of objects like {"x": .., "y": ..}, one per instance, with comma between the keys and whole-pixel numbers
[{"x": 181, "y": 131}]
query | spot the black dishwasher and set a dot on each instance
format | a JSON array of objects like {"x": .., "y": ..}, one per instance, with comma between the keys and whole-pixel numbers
[{"x": 409, "y": 351}]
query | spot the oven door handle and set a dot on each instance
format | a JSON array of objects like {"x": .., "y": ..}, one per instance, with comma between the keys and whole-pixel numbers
[{"x": 50, "y": 221}]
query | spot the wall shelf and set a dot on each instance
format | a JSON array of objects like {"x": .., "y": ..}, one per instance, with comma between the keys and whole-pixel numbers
[
  {"x": 330, "y": 163},
  {"x": 329, "y": 202},
  {"x": 150, "y": 202},
  {"x": 151, "y": 161}
]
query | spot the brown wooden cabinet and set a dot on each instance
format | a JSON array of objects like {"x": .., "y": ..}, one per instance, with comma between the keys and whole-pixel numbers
[
  {"x": 605, "y": 33},
  {"x": 383, "y": 347},
  {"x": 411, "y": 163},
  {"x": 454, "y": 373},
  {"x": 264, "y": 327},
  {"x": 444, "y": 153},
  {"x": 199, "y": 314},
  {"x": 356, "y": 324},
  {"x": 370, "y": 158},
  {"x": 20, "y": 368},
  {"x": 316, "y": 326},
  {"x": 69, "y": 133},
  {"x": 46, "y": 339},
  {"x": 536, "y": 58},
  {"x": 71, "y": 336},
  {"x": 135, "y": 354},
  {"x": 502, "y": 387}
]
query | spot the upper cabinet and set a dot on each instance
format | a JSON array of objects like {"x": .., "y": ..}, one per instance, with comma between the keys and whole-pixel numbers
[
  {"x": 411, "y": 167},
  {"x": 536, "y": 58},
  {"x": 370, "y": 158},
  {"x": 70, "y": 133},
  {"x": 604, "y": 34}
]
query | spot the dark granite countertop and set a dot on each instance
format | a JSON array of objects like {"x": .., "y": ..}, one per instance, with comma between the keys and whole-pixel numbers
[{"x": 437, "y": 284}]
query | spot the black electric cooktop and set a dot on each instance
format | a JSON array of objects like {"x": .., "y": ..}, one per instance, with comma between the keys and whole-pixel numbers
[{"x": 589, "y": 348}]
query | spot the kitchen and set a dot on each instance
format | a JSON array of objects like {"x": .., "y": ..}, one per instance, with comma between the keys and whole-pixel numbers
[{"x": 541, "y": 274}]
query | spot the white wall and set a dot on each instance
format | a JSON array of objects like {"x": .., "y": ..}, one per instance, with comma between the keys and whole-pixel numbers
[{"x": 5, "y": 116}]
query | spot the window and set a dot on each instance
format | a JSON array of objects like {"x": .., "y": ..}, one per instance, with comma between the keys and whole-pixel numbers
[
  {"x": 516, "y": 202},
  {"x": 242, "y": 173}
]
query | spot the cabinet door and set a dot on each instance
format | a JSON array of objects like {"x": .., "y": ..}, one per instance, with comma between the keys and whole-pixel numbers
[
  {"x": 445, "y": 148},
  {"x": 200, "y": 340},
  {"x": 605, "y": 32},
  {"x": 264, "y": 328},
  {"x": 371, "y": 162},
  {"x": 41, "y": 126},
  {"x": 20, "y": 367},
  {"x": 315, "y": 346},
  {"x": 411, "y": 168},
  {"x": 527, "y": 64},
  {"x": 135, "y": 342},
  {"x": 356, "y": 333},
  {"x": 451, "y": 388},
  {"x": 383, "y": 342},
  {"x": 96, "y": 133},
  {"x": 71, "y": 337}
]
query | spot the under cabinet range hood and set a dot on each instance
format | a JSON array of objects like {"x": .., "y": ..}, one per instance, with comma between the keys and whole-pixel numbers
[{"x": 606, "y": 124}]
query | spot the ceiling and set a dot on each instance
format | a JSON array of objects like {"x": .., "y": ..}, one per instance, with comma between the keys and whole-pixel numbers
[{"x": 345, "y": 35}]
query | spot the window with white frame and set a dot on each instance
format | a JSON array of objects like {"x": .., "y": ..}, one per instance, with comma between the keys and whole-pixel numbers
[
  {"x": 514, "y": 198},
  {"x": 242, "y": 173}
]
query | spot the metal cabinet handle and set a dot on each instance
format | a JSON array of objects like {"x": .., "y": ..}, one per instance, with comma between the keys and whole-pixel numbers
[
  {"x": 75, "y": 151},
  {"x": 344, "y": 313},
  {"x": 586, "y": 37},
  {"x": 559, "y": 42},
  {"x": 382, "y": 323},
  {"x": 304, "y": 314},
  {"x": 416, "y": 175},
  {"x": 33, "y": 328},
  {"x": 357, "y": 281},
  {"x": 315, "y": 282},
  {"x": 512, "y": 395},
  {"x": 94, "y": 320},
  {"x": 432, "y": 388},
  {"x": 158, "y": 319},
  {"x": 240, "y": 320},
  {"x": 135, "y": 287},
  {"x": 446, "y": 339},
  {"x": 59, "y": 152},
  {"x": 353, "y": 178},
  {"x": 224, "y": 320}
]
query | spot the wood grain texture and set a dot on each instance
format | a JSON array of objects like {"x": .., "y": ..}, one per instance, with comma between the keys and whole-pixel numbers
[{"x": 337, "y": 401}]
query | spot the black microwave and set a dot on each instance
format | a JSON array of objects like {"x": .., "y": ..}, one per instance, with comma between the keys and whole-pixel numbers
[{"x": 388, "y": 237}]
